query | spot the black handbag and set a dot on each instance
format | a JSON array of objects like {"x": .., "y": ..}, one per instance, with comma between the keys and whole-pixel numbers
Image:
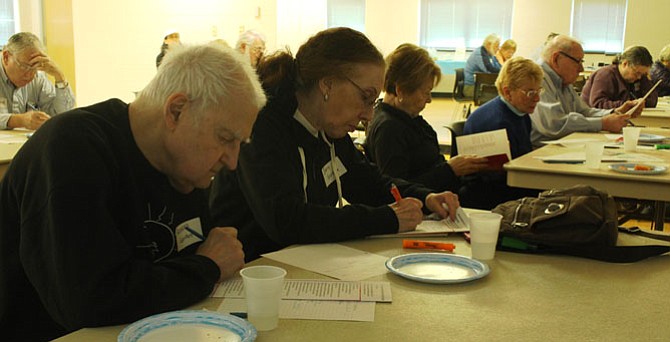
[{"x": 578, "y": 221}]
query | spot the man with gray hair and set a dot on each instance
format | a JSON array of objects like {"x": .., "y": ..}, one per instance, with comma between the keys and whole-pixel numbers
[
  {"x": 103, "y": 211},
  {"x": 27, "y": 97},
  {"x": 561, "y": 111},
  {"x": 252, "y": 45}
]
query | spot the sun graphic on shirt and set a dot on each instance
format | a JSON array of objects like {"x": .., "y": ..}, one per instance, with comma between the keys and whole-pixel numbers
[{"x": 159, "y": 228}]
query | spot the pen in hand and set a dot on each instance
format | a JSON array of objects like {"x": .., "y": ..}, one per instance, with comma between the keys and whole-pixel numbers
[
  {"x": 194, "y": 233},
  {"x": 395, "y": 192}
]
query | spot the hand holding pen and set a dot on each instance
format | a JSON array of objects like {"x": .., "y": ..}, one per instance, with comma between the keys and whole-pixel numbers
[
  {"x": 407, "y": 211},
  {"x": 443, "y": 203}
]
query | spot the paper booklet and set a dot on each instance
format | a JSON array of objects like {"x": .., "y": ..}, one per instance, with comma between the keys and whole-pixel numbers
[
  {"x": 493, "y": 145},
  {"x": 640, "y": 101},
  {"x": 432, "y": 226}
]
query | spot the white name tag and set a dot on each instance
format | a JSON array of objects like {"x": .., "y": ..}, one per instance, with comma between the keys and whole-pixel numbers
[
  {"x": 186, "y": 238},
  {"x": 327, "y": 170}
]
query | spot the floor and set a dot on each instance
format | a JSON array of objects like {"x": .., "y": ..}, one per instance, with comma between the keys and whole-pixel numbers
[{"x": 443, "y": 111}]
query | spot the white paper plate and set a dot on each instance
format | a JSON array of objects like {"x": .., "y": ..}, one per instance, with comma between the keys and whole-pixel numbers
[
  {"x": 189, "y": 325},
  {"x": 437, "y": 268},
  {"x": 650, "y": 138},
  {"x": 630, "y": 169}
]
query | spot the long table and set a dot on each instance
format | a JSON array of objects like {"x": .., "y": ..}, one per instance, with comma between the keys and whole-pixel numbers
[
  {"x": 655, "y": 117},
  {"x": 524, "y": 298},
  {"x": 529, "y": 172}
]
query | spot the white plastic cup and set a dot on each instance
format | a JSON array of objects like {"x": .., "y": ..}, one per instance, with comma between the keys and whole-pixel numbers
[
  {"x": 594, "y": 153},
  {"x": 630, "y": 138},
  {"x": 263, "y": 288},
  {"x": 484, "y": 228}
]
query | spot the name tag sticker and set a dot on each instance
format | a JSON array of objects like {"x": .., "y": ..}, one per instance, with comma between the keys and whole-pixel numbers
[
  {"x": 186, "y": 238},
  {"x": 327, "y": 171}
]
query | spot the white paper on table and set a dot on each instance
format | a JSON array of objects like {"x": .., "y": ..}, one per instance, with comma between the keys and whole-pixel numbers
[
  {"x": 570, "y": 142},
  {"x": 12, "y": 139},
  {"x": 484, "y": 144},
  {"x": 607, "y": 157},
  {"x": 317, "y": 289},
  {"x": 333, "y": 260},
  {"x": 311, "y": 309}
]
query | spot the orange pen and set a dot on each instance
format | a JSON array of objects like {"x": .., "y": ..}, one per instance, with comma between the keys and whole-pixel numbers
[
  {"x": 415, "y": 244},
  {"x": 395, "y": 193}
]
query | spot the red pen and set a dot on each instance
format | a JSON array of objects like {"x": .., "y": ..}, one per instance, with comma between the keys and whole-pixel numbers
[
  {"x": 428, "y": 245},
  {"x": 395, "y": 193}
]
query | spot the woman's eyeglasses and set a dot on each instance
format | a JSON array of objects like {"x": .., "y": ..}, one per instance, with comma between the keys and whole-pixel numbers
[
  {"x": 532, "y": 93},
  {"x": 368, "y": 100}
]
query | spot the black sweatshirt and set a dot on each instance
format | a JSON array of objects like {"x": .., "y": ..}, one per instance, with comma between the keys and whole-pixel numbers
[{"x": 88, "y": 232}]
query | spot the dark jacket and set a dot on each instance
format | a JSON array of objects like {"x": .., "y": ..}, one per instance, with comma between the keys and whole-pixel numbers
[
  {"x": 407, "y": 148},
  {"x": 276, "y": 200},
  {"x": 89, "y": 231}
]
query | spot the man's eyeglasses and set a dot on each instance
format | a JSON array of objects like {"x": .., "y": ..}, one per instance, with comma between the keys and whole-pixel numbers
[
  {"x": 578, "y": 61},
  {"x": 532, "y": 93},
  {"x": 368, "y": 100},
  {"x": 24, "y": 66}
]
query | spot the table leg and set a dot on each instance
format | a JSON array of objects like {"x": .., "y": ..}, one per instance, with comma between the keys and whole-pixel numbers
[{"x": 659, "y": 215}]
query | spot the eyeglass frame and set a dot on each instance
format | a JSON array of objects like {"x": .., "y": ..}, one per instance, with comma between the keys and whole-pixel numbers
[
  {"x": 578, "y": 61},
  {"x": 364, "y": 94},
  {"x": 23, "y": 66},
  {"x": 531, "y": 93}
]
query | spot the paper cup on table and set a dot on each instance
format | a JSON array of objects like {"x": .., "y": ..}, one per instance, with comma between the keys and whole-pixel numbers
[
  {"x": 263, "y": 288},
  {"x": 594, "y": 153},
  {"x": 484, "y": 228},
  {"x": 630, "y": 137}
]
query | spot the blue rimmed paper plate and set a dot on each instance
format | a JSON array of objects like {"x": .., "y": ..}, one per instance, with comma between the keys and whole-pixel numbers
[
  {"x": 638, "y": 169},
  {"x": 189, "y": 325},
  {"x": 650, "y": 138},
  {"x": 437, "y": 268}
]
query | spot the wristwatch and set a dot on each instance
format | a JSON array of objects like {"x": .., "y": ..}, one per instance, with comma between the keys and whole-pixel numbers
[{"x": 61, "y": 85}]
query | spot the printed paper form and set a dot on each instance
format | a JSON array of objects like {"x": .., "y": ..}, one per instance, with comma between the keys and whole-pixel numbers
[
  {"x": 333, "y": 260},
  {"x": 311, "y": 309},
  {"x": 432, "y": 226},
  {"x": 485, "y": 144},
  {"x": 311, "y": 289}
]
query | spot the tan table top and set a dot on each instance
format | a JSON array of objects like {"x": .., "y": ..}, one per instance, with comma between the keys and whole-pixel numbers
[
  {"x": 524, "y": 298},
  {"x": 8, "y": 151},
  {"x": 529, "y": 172}
]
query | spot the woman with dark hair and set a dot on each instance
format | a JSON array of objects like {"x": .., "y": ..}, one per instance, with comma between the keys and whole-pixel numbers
[
  {"x": 399, "y": 140},
  {"x": 627, "y": 78},
  {"x": 301, "y": 165}
]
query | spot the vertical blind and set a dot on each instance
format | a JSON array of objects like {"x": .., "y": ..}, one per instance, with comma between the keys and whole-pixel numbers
[
  {"x": 453, "y": 24},
  {"x": 347, "y": 13},
  {"x": 599, "y": 24},
  {"x": 7, "y": 21}
]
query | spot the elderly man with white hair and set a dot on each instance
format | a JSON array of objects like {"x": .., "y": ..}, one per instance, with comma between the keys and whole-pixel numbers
[
  {"x": 561, "y": 111},
  {"x": 251, "y": 44},
  {"x": 27, "y": 97},
  {"x": 103, "y": 211}
]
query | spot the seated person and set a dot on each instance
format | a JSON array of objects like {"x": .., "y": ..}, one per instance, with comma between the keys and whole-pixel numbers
[
  {"x": 561, "y": 111},
  {"x": 398, "y": 139},
  {"x": 506, "y": 51},
  {"x": 99, "y": 207},
  {"x": 252, "y": 45},
  {"x": 661, "y": 71},
  {"x": 482, "y": 59},
  {"x": 519, "y": 87},
  {"x": 625, "y": 79},
  {"x": 27, "y": 97},
  {"x": 301, "y": 165}
]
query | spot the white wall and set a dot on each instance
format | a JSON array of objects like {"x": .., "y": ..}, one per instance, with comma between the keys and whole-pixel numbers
[{"x": 116, "y": 42}]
